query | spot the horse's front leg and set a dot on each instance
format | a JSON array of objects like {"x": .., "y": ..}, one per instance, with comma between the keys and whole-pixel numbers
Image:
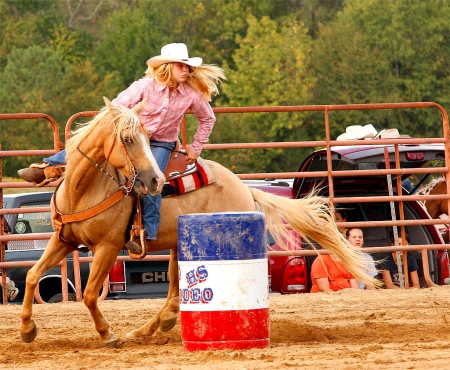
[
  {"x": 53, "y": 254},
  {"x": 166, "y": 318},
  {"x": 104, "y": 258}
]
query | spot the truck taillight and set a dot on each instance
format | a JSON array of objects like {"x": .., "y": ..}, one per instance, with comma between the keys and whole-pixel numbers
[
  {"x": 445, "y": 270},
  {"x": 117, "y": 277},
  {"x": 295, "y": 276}
]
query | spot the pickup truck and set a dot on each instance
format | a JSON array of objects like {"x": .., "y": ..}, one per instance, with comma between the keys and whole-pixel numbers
[
  {"x": 127, "y": 279},
  {"x": 291, "y": 274}
]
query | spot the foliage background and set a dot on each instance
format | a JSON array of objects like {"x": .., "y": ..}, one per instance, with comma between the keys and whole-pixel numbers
[{"x": 60, "y": 57}]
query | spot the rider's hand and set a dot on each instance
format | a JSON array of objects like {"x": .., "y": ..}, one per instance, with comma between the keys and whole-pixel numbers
[{"x": 191, "y": 155}]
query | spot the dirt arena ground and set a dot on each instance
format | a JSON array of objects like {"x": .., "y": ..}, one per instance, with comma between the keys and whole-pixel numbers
[{"x": 408, "y": 329}]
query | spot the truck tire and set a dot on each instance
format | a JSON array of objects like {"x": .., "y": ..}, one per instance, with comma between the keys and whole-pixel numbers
[{"x": 58, "y": 298}]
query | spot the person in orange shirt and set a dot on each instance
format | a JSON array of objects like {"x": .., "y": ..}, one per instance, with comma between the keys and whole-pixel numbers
[{"x": 328, "y": 274}]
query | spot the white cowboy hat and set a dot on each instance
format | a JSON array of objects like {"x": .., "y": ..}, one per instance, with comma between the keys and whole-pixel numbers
[
  {"x": 391, "y": 133},
  {"x": 174, "y": 53},
  {"x": 358, "y": 132}
]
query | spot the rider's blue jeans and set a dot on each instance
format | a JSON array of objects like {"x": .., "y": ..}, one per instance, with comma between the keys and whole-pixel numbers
[
  {"x": 150, "y": 204},
  {"x": 58, "y": 158}
]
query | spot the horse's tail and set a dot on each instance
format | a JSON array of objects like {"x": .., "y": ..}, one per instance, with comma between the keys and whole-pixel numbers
[
  {"x": 310, "y": 217},
  {"x": 427, "y": 189}
]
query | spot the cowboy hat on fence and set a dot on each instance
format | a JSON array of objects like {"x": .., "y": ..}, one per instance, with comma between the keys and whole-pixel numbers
[
  {"x": 358, "y": 132},
  {"x": 174, "y": 53},
  {"x": 391, "y": 133}
]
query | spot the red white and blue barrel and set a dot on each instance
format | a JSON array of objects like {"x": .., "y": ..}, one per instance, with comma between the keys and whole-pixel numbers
[{"x": 223, "y": 278}]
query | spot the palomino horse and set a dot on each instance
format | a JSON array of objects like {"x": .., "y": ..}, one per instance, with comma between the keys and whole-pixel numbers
[
  {"x": 437, "y": 207},
  {"x": 85, "y": 186}
]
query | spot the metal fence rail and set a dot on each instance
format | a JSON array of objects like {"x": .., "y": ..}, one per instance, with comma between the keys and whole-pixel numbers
[{"x": 328, "y": 143}]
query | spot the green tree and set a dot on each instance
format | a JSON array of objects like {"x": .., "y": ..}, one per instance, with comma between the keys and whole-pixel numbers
[
  {"x": 272, "y": 68},
  {"x": 208, "y": 27},
  {"x": 37, "y": 80},
  {"x": 386, "y": 51}
]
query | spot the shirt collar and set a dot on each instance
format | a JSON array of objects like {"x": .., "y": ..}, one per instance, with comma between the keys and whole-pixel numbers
[{"x": 181, "y": 88}]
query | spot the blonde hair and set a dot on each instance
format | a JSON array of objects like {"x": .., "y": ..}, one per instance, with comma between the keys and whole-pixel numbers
[{"x": 203, "y": 79}]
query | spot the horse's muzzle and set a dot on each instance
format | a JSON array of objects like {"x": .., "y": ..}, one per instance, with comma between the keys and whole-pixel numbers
[{"x": 155, "y": 187}]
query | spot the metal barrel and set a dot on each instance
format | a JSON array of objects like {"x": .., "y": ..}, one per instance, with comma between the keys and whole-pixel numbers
[{"x": 223, "y": 278}]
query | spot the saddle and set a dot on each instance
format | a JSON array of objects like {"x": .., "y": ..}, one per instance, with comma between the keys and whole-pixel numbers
[{"x": 180, "y": 178}]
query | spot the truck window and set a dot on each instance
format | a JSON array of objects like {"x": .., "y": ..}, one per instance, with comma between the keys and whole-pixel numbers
[{"x": 33, "y": 222}]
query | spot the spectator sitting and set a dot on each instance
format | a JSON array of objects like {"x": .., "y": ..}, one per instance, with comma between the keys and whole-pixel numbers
[
  {"x": 328, "y": 274},
  {"x": 389, "y": 270},
  {"x": 341, "y": 216},
  {"x": 356, "y": 238},
  {"x": 11, "y": 289}
]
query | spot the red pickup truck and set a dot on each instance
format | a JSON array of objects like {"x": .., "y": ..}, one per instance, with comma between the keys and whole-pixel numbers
[{"x": 292, "y": 274}]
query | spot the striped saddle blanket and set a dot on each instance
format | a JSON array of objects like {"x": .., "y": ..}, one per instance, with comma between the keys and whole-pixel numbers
[{"x": 193, "y": 178}]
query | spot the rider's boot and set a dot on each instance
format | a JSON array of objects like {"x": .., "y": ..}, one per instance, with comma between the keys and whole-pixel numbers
[
  {"x": 133, "y": 247},
  {"x": 137, "y": 249},
  {"x": 41, "y": 173},
  {"x": 34, "y": 173}
]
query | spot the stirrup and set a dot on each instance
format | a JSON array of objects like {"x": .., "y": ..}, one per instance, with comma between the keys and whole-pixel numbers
[
  {"x": 132, "y": 244},
  {"x": 53, "y": 173}
]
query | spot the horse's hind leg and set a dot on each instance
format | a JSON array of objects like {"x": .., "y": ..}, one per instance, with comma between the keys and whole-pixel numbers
[
  {"x": 53, "y": 254},
  {"x": 166, "y": 318},
  {"x": 104, "y": 258}
]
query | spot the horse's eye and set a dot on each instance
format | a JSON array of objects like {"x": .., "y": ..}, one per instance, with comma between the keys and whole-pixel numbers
[{"x": 127, "y": 140}]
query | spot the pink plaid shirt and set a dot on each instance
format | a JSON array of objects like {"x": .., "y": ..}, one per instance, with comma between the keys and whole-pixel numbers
[{"x": 162, "y": 116}]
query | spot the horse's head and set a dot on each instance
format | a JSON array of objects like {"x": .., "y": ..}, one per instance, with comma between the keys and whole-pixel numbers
[{"x": 128, "y": 150}]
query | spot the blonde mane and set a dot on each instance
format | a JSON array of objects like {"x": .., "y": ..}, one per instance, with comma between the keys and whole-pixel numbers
[{"x": 126, "y": 120}]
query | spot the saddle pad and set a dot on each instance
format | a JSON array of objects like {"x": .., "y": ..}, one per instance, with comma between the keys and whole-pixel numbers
[{"x": 201, "y": 177}]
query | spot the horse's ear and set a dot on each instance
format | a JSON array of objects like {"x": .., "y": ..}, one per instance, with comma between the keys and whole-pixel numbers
[
  {"x": 111, "y": 107},
  {"x": 138, "y": 107},
  {"x": 107, "y": 101}
]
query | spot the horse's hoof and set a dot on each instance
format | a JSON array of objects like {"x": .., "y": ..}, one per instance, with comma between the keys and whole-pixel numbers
[
  {"x": 167, "y": 323},
  {"x": 162, "y": 340},
  {"x": 132, "y": 335},
  {"x": 111, "y": 343},
  {"x": 29, "y": 336}
]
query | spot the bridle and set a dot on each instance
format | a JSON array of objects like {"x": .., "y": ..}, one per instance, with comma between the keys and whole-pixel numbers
[
  {"x": 131, "y": 177},
  {"x": 124, "y": 190},
  {"x": 133, "y": 174}
]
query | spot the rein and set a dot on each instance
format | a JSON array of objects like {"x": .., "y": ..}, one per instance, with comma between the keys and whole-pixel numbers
[{"x": 128, "y": 186}]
